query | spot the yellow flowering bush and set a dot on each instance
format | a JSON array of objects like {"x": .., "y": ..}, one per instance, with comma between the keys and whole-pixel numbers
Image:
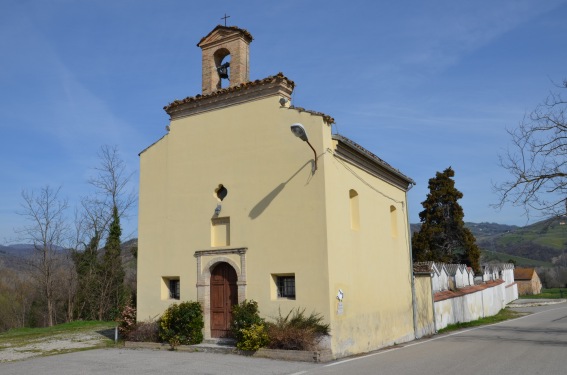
[{"x": 253, "y": 338}]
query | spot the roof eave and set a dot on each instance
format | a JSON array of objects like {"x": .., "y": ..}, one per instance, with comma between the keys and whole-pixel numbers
[{"x": 358, "y": 155}]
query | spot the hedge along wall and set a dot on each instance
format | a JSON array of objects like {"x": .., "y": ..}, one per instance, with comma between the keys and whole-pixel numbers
[{"x": 469, "y": 303}]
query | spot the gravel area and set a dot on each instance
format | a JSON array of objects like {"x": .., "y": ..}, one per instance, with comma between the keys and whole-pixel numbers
[{"x": 58, "y": 343}]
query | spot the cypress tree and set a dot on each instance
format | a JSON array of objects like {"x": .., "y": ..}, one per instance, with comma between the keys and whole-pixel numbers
[
  {"x": 443, "y": 236},
  {"x": 89, "y": 285},
  {"x": 113, "y": 272}
]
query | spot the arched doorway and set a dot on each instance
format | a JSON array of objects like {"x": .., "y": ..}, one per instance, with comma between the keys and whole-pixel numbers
[{"x": 224, "y": 294}]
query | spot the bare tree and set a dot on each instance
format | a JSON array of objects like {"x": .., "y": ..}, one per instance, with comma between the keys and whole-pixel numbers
[
  {"x": 100, "y": 278},
  {"x": 47, "y": 230},
  {"x": 112, "y": 181},
  {"x": 537, "y": 160},
  {"x": 16, "y": 296}
]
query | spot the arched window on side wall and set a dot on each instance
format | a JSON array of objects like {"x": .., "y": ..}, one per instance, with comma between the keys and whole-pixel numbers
[
  {"x": 393, "y": 221},
  {"x": 354, "y": 210}
]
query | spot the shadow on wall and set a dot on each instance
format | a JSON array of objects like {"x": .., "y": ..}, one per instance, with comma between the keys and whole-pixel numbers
[{"x": 261, "y": 206}]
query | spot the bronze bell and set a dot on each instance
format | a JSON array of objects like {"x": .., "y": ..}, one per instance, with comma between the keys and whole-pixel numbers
[{"x": 223, "y": 70}]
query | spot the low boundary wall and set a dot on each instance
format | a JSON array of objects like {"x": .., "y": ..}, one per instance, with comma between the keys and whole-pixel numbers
[{"x": 471, "y": 303}]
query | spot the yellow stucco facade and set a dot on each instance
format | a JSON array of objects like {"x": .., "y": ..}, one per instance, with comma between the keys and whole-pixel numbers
[{"x": 342, "y": 226}]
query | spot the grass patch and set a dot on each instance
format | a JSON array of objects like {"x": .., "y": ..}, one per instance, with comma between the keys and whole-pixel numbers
[
  {"x": 504, "y": 314},
  {"x": 72, "y": 327},
  {"x": 23, "y": 336},
  {"x": 552, "y": 293}
]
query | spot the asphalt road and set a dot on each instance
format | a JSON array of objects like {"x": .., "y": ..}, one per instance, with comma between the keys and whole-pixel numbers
[{"x": 533, "y": 344}]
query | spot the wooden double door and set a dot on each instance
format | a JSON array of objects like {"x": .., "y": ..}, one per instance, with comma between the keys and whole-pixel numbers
[{"x": 224, "y": 294}]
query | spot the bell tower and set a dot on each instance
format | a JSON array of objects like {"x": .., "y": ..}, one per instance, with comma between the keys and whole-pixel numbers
[{"x": 225, "y": 55}]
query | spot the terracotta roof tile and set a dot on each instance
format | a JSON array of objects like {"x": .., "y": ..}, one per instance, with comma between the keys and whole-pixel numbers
[
  {"x": 232, "y": 28},
  {"x": 448, "y": 294},
  {"x": 328, "y": 119},
  {"x": 370, "y": 155},
  {"x": 243, "y": 86},
  {"x": 422, "y": 268},
  {"x": 523, "y": 273}
]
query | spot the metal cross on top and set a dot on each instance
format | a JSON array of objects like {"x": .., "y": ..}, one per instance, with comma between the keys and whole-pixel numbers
[{"x": 224, "y": 18}]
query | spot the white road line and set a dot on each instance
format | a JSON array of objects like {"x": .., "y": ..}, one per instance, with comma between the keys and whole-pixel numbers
[{"x": 437, "y": 338}]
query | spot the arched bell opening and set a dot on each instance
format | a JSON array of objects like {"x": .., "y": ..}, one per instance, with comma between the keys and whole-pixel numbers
[{"x": 222, "y": 59}]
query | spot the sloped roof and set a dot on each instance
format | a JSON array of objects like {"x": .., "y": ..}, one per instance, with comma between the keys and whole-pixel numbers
[
  {"x": 358, "y": 149},
  {"x": 441, "y": 267},
  {"x": 278, "y": 79},
  {"x": 243, "y": 32},
  {"x": 452, "y": 269},
  {"x": 328, "y": 119},
  {"x": 421, "y": 269},
  {"x": 523, "y": 273},
  {"x": 429, "y": 267}
]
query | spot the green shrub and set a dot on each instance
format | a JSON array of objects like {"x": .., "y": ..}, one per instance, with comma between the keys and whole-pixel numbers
[
  {"x": 296, "y": 331},
  {"x": 253, "y": 338},
  {"x": 182, "y": 324},
  {"x": 312, "y": 322},
  {"x": 244, "y": 316}
]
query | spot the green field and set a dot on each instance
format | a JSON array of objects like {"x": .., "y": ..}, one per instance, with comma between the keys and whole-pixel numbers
[
  {"x": 552, "y": 293},
  {"x": 488, "y": 256}
]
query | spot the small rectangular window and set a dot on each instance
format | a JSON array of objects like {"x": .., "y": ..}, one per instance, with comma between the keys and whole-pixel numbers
[
  {"x": 286, "y": 286},
  {"x": 170, "y": 288},
  {"x": 174, "y": 289}
]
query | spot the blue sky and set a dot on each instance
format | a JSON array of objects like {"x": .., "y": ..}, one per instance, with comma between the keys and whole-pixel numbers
[{"x": 422, "y": 84}]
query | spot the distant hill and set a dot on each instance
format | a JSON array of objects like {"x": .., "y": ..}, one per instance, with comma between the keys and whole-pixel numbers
[
  {"x": 538, "y": 244},
  {"x": 15, "y": 256},
  {"x": 480, "y": 230},
  {"x": 544, "y": 241}
]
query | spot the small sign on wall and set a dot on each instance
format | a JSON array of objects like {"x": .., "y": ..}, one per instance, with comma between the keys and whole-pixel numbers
[{"x": 340, "y": 296}]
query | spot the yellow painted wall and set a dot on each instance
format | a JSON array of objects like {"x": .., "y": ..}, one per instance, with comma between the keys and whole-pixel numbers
[
  {"x": 425, "y": 320},
  {"x": 290, "y": 220},
  {"x": 276, "y": 206},
  {"x": 370, "y": 265}
]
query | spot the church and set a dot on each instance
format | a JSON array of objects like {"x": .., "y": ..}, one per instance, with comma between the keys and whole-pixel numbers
[{"x": 249, "y": 197}]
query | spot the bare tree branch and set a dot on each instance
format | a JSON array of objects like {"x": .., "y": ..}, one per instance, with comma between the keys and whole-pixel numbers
[
  {"x": 48, "y": 232},
  {"x": 537, "y": 161}
]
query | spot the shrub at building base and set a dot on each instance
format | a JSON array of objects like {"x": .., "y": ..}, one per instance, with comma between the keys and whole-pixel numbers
[
  {"x": 146, "y": 331},
  {"x": 253, "y": 338},
  {"x": 130, "y": 330},
  {"x": 182, "y": 324},
  {"x": 296, "y": 331},
  {"x": 127, "y": 320},
  {"x": 244, "y": 316}
]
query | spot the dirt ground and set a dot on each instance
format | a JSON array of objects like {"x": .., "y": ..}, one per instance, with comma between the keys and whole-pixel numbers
[{"x": 11, "y": 350}]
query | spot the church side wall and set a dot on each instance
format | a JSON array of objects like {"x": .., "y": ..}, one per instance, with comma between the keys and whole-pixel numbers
[{"x": 370, "y": 263}]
